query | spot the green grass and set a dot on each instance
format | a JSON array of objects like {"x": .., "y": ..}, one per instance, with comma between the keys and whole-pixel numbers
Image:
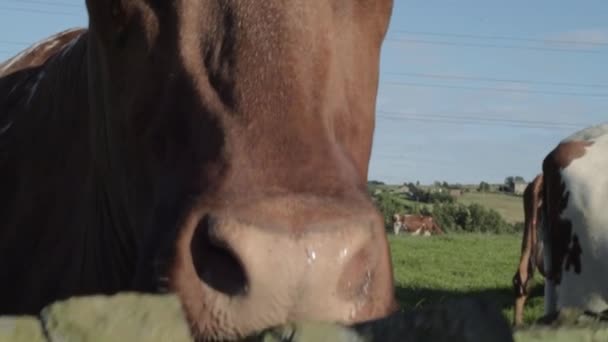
[
  {"x": 510, "y": 207},
  {"x": 430, "y": 270}
]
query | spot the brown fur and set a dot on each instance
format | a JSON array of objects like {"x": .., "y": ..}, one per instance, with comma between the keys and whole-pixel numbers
[
  {"x": 140, "y": 156},
  {"x": 38, "y": 54}
]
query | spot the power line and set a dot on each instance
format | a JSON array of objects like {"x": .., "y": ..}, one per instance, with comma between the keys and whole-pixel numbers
[
  {"x": 407, "y": 160},
  {"x": 411, "y": 157},
  {"x": 48, "y": 3},
  {"x": 480, "y": 120},
  {"x": 477, "y": 121},
  {"x": 498, "y": 37},
  {"x": 473, "y": 123},
  {"x": 502, "y": 80},
  {"x": 483, "y": 45},
  {"x": 28, "y": 10},
  {"x": 508, "y": 90},
  {"x": 483, "y": 118}
]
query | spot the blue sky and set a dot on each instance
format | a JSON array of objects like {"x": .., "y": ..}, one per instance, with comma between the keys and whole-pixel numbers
[{"x": 445, "y": 108}]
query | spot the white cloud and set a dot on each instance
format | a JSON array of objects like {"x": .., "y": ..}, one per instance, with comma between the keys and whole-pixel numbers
[{"x": 582, "y": 38}]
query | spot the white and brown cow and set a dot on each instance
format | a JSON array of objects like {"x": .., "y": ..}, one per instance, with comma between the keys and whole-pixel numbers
[
  {"x": 415, "y": 225},
  {"x": 574, "y": 225}
]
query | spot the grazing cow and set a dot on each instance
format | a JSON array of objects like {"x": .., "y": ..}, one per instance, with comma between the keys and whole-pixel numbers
[
  {"x": 218, "y": 150},
  {"x": 574, "y": 223},
  {"x": 416, "y": 225},
  {"x": 531, "y": 247}
]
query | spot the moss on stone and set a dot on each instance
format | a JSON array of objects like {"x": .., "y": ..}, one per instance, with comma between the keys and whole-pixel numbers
[
  {"x": 124, "y": 317},
  {"x": 21, "y": 329}
]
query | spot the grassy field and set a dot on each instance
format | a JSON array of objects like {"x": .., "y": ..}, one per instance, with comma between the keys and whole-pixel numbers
[
  {"x": 429, "y": 270},
  {"x": 510, "y": 207}
]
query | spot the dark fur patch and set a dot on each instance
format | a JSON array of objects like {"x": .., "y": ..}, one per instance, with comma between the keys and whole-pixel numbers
[{"x": 573, "y": 258}]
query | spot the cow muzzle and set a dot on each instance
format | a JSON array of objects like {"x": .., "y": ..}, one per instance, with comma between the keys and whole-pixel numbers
[{"x": 241, "y": 270}]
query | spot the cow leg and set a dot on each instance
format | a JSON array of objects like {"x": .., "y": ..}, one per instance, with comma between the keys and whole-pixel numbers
[
  {"x": 518, "y": 311},
  {"x": 550, "y": 290},
  {"x": 550, "y": 297}
]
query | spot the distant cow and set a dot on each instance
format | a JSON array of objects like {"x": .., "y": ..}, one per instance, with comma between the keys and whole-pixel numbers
[
  {"x": 215, "y": 149},
  {"x": 573, "y": 225},
  {"x": 416, "y": 225}
]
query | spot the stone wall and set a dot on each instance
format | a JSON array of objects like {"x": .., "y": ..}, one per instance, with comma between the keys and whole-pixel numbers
[{"x": 136, "y": 317}]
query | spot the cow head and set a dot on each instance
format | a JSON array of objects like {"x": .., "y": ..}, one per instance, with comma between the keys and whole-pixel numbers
[{"x": 242, "y": 131}]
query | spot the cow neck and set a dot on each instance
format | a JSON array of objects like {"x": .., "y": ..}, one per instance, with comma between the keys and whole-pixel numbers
[
  {"x": 108, "y": 240},
  {"x": 63, "y": 216},
  {"x": 111, "y": 236},
  {"x": 112, "y": 185},
  {"x": 135, "y": 197}
]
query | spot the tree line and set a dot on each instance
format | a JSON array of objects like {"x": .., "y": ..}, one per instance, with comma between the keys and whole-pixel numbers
[{"x": 450, "y": 215}]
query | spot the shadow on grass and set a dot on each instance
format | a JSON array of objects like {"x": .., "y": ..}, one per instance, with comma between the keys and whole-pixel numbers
[{"x": 503, "y": 297}]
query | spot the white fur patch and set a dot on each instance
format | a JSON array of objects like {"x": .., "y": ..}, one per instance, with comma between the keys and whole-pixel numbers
[
  {"x": 587, "y": 181},
  {"x": 589, "y": 133}
]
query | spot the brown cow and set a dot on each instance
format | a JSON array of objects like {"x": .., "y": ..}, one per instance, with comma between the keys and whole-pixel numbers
[
  {"x": 215, "y": 149},
  {"x": 416, "y": 225},
  {"x": 531, "y": 247}
]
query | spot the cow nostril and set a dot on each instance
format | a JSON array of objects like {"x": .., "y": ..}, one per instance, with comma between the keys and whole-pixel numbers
[{"x": 215, "y": 264}]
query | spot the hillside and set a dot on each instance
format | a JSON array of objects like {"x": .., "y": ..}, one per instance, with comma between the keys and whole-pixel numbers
[{"x": 509, "y": 206}]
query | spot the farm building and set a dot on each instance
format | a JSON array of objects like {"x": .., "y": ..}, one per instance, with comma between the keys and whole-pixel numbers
[
  {"x": 456, "y": 193},
  {"x": 518, "y": 187}
]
